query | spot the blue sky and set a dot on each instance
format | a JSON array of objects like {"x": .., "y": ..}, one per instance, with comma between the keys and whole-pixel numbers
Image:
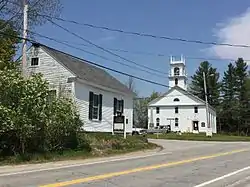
[{"x": 194, "y": 19}]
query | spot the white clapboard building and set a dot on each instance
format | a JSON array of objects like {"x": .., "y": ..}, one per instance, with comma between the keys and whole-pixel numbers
[
  {"x": 98, "y": 95},
  {"x": 179, "y": 109}
]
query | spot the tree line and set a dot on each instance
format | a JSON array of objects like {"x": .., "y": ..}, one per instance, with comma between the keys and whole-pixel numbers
[{"x": 229, "y": 95}]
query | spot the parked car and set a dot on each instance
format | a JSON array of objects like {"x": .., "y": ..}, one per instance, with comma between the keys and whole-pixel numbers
[
  {"x": 159, "y": 129},
  {"x": 139, "y": 131}
]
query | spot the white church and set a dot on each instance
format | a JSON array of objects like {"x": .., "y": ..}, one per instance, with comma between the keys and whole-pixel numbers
[{"x": 178, "y": 109}]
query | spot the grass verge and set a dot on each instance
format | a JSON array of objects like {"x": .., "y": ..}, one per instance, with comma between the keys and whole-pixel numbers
[
  {"x": 200, "y": 137},
  {"x": 92, "y": 145}
]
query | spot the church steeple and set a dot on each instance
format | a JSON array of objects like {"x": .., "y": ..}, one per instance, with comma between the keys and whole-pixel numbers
[{"x": 177, "y": 75}]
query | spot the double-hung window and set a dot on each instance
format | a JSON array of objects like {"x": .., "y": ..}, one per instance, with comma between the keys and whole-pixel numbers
[
  {"x": 118, "y": 106},
  {"x": 34, "y": 61},
  {"x": 95, "y": 106}
]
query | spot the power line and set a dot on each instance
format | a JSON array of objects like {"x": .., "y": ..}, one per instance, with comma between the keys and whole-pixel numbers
[
  {"x": 146, "y": 34},
  {"x": 150, "y": 53},
  {"x": 146, "y": 52},
  {"x": 94, "y": 54},
  {"x": 103, "y": 49},
  {"x": 98, "y": 65},
  {"x": 90, "y": 62}
]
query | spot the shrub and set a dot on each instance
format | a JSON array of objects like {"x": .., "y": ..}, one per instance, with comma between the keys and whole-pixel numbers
[{"x": 31, "y": 122}]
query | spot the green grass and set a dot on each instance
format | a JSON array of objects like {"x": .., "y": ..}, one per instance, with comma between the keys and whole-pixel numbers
[
  {"x": 101, "y": 144},
  {"x": 200, "y": 137}
]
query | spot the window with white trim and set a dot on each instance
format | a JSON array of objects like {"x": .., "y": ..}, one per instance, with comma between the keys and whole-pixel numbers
[
  {"x": 118, "y": 106},
  {"x": 196, "y": 109},
  {"x": 176, "y": 110},
  {"x": 176, "y": 122},
  {"x": 95, "y": 106},
  {"x": 176, "y": 82},
  {"x": 176, "y": 99},
  {"x": 157, "y": 110},
  {"x": 34, "y": 61},
  {"x": 157, "y": 122}
]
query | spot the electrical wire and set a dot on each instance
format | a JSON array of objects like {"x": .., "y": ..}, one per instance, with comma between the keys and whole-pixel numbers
[
  {"x": 145, "y": 52},
  {"x": 106, "y": 50},
  {"x": 146, "y": 34},
  {"x": 94, "y": 54},
  {"x": 90, "y": 62},
  {"x": 101, "y": 66}
]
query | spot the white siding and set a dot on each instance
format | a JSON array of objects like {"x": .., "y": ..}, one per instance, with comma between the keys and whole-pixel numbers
[
  {"x": 167, "y": 100},
  {"x": 82, "y": 100},
  {"x": 186, "y": 114},
  {"x": 186, "y": 117},
  {"x": 181, "y": 82},
  {"x": 52, "y": 71}
]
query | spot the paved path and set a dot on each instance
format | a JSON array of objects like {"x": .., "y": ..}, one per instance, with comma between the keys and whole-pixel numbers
[{"x": 180, "y": 163}]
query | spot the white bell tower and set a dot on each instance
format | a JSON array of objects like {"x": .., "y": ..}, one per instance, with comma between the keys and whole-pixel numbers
[{"x": 177, "y": 74}]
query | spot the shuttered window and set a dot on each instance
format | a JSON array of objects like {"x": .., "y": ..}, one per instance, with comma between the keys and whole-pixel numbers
[
  {"x": 118, "y": 106},
  {"x": 95, "y": 106}
]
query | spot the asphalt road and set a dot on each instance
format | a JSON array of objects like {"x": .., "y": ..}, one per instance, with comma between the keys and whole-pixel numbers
[{"x": 180, "y": 163}]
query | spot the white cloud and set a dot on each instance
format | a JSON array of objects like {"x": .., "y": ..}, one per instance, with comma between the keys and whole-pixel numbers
[{"x": 235, "y": 31}]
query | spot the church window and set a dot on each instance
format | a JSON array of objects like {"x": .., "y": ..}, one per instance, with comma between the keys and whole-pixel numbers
[
  {"x": 195, "y": 109},
  {"x": 176, "y": 110},
  {"x": 176, "y": 122},
  {"x": 157, "y": 122},
  {"x": 157, "y": 110},
  {"x": 176, "y": 82},
  {"x": 176, "y": 71},
  {"x": 176, "y": 99}
]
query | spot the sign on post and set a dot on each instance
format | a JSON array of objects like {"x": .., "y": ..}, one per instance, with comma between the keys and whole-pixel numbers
[{"x": 119, "y": 125}]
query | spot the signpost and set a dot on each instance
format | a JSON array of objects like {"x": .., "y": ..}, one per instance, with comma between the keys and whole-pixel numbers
[{"x": 119, "y": 124}]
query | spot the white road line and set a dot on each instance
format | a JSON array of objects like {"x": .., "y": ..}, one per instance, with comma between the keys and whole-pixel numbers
[
  {"x": 84, "y": 164},
  {"x": 223, "y": 177},
  {"x": 238, "y": 182}
]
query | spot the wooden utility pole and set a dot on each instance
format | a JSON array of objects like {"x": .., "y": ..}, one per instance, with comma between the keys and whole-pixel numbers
[
  {"x": 208, "y": 132},
  {"x": 25, "y": 27}
]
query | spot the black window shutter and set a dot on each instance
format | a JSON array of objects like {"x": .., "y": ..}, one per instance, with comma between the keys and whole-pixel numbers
[
  {"x": 115, "y": 104},
  {"x": 100, "y": 107},
  {"x": 90, "y": 105},
  {"x": 122, "y": 103}
]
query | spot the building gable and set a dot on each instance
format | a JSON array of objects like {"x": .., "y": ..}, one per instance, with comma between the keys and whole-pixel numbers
[
  {"x": 53, "y": 71},
  {"x": 176, "y": 96}
]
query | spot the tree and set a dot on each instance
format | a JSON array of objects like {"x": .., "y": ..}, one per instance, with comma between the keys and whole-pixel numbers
[
  {"x": 241, "y": 94},
  {"x": 8, "y": 46},
  {"x": 228, "y": 104},
  {"x": 212, "y": 81},
  {"x": 141, "y": 110},
  {"x": 12, "y": 11}
]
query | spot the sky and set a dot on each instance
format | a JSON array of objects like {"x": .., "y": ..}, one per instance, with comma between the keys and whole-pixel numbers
[{"x": 217, "y": 21}]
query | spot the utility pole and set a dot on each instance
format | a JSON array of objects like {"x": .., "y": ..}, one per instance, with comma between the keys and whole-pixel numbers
[
  {"x": 25, "y": 27},
  {"x": 208, "y": 132}
]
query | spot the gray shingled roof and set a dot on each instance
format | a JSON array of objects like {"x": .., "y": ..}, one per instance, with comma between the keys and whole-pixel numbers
[{"x": 83, "y": 70}]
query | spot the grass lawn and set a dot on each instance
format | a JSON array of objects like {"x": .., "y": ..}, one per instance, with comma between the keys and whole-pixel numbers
[
  {"x": 100, "y": 144},
  {"x": 200, "y": 137}
]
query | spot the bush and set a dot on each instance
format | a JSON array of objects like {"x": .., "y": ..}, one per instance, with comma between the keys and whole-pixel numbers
[{"x": 32, "y": 122}]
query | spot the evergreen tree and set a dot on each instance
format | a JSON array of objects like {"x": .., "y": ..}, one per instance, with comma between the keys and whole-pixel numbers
[
  {"x": 241, "y": 95},
  {"x": 228, "y": 89},
  {"x": 212, "y": 81},
  {"x": 8, "y": 46}
]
